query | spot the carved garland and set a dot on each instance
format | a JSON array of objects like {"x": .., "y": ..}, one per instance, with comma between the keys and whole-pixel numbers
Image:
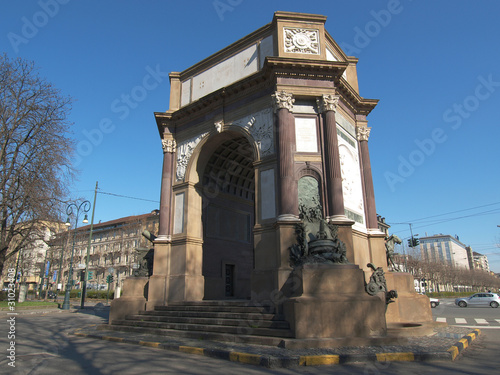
[
  {"x": 184, "y": 152},
  {"x": 260, "y": 127}
]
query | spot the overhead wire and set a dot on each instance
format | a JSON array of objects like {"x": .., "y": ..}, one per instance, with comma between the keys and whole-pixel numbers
[
  {"x": 129, "y": 197},
  {"x": 444, "y": 214}
]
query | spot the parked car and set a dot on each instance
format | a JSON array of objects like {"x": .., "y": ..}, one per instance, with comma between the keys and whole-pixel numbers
[
  {"x": 434, "y": 302},
  {"x": 50, "y": 294},
  {"x": 479, "y": 299}
]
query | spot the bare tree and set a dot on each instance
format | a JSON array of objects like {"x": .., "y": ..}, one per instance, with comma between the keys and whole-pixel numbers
[{"x": 35, "y": 154}]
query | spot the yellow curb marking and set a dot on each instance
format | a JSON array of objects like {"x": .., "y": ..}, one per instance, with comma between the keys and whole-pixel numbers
[
  {"x": 464, "y": 342},
  {"x": 150, "y": 344},
  {"x": 316, "y": 360},
  {"x": 454, "y": 352},
  {"x": 252, "y": 359},
  {"x": 387, "y": 357},
  {"x": 191, "y": 350}
]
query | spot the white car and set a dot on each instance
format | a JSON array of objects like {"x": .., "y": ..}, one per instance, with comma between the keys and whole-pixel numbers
[{"x": 434, "y": 302}]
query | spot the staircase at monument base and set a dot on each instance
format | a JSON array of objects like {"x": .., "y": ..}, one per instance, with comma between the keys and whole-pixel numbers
[{"x": 233, "y": 321}]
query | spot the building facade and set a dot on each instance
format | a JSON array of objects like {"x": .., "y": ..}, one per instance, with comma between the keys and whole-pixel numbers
[
  {"x": 481, "y": 262},
  {"x": 112, "y": 250},
  {"x": 445, "y": 248},
  {"x": 33, "y": 262}
]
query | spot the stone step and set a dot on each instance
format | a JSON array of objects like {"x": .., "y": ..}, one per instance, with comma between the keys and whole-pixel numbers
[
  {"x": 235, "y": 330},
  {"x": 247, "y": 321},
  {"x": 215, "y": 308},
  {"x": 213, "y": 314},
  {"x": 198, "y": 335},
  {"x": 240, "y": 303}
]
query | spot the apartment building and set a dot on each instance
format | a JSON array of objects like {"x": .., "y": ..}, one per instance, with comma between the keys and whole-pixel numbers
[
  {"x": 446, "y": 249},
  {"x": 112, "y": 250}
]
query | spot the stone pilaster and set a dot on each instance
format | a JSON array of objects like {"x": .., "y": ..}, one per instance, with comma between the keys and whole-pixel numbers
[
  {"x": 288, "y": 197},
  {"x": 363, "y": 134}
]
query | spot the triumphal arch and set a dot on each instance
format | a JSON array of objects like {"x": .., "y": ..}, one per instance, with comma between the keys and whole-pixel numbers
[{"x": 267, "y": 193}]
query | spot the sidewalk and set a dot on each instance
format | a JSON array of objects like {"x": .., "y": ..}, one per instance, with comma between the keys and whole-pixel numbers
[
  {"x": 444, "y": 345},
  {"x": 19, "y": 309}
]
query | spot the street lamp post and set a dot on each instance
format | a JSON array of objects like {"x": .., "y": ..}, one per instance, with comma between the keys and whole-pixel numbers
[
  {"x": 85, "y": 206},
  {"x": 87, "y": 259},
  {"x": 59, "y": 276}
]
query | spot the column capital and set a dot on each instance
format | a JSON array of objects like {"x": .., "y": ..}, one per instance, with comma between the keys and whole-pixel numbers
[
  {"x": 168, "y": 145},
  {"x": 327, "y": 103},
  {"x": 282, "y": 99},
  {"x": 362, "y": 133}
]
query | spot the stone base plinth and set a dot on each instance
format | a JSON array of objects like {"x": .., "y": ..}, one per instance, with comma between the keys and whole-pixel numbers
[
  {"x": 409, "y": 307},
  {"x": 132, "y": 300},
  {"x": 330, "y": 301}
]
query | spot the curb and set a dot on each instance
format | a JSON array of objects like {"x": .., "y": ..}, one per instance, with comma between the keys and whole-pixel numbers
[
  {"x": 463, "y": 343},
  {"x": 295, "y": 361}
]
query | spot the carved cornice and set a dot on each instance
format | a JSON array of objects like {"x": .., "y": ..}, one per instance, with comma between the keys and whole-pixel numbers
[
  {"x": 363, "y": 133},
  {"x": 168, "y": 145},
  {"x": 282, "y": 100},
  {"x": 328, "y": 103}
]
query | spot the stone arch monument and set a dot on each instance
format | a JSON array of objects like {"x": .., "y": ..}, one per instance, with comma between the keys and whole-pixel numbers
[{"x": 245, "y": 125}]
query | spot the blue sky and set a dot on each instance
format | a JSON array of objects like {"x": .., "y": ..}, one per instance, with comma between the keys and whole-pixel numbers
[{"x": 433, "y": 65}]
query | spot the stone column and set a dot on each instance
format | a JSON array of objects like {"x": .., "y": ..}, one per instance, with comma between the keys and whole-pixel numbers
[
  {"x": 362, "y": 134},
  {"x": 158, "y": 283},
  {"x": 333, "y": 175},
  {"x": 164, "y": 231},
  {"x": 288, "y": 195}
]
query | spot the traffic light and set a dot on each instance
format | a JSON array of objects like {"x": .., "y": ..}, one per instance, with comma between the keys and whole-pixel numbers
[
  {"x": 410, "y": 242},
  {"x": 91, "y": 275},
  {"x": 109, "y": 279},
  {"x": 82, "y": 275},
  {"x": 416, "y": 242}
]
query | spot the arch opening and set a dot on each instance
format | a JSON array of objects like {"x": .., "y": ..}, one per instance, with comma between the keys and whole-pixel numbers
[{"x": 228, "y": 197}]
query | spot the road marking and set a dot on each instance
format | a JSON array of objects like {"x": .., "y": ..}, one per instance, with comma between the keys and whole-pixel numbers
[
  {"x": 481, "y": 321},
  {"x": 482, "y": 327},
  {"x": 460, "y": 321},
  {"x": 441, "y": 320}
]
